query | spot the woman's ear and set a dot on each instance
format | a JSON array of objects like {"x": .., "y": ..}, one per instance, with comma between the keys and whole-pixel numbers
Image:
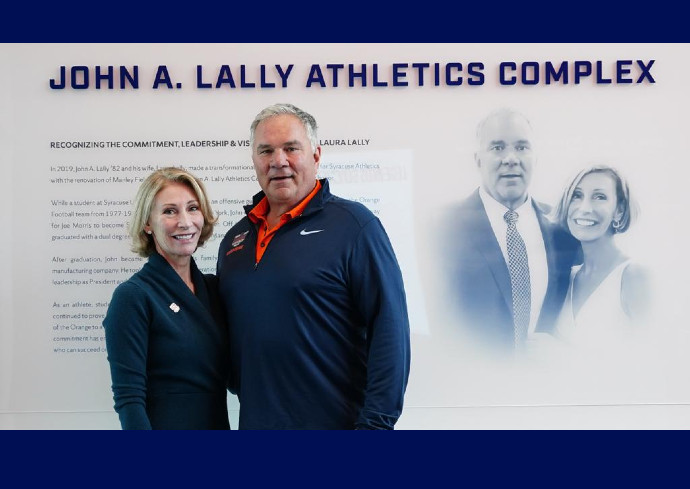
[{"x": 618, "y": 215}]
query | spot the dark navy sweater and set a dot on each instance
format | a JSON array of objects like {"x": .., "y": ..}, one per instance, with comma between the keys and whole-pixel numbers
[
  {"x": 319, "y": 330},
  {"x": 169, "y": 368}
]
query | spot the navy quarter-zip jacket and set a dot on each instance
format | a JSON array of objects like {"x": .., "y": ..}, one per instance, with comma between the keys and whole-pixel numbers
[{"x": 319, "y": 330}]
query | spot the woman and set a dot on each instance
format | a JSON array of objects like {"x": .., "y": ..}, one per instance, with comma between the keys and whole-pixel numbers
[
  {"x": 607, "y": 293},
  {"x": 167, "y": 346}
]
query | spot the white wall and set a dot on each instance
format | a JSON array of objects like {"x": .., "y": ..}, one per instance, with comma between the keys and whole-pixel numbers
[{"x": 422, "y": 138}]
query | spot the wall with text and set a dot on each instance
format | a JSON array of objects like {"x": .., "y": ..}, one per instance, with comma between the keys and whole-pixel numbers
[{"x": 81, "y": 126}]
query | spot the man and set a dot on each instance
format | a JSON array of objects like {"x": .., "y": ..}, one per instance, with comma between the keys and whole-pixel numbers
[
  {"x": 313, "y": 293},
  {"x": 509, "y": 264}
]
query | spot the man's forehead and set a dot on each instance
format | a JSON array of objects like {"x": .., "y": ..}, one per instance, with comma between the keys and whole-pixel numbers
[
  {"x": 278, "y": 130},
  {"x": 290, "y": 142}
]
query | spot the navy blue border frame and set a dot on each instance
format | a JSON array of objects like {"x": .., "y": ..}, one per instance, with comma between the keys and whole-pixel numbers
[
  {"x": 424, "y": 459},
  {"x": 343, "y": 459},
  {"x": 348, "y": 21}
]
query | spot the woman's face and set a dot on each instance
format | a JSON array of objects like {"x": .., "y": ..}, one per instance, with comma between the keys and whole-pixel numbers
[
  {"x": 593, "y": 207},
  {"x": 176, "y": 222}
]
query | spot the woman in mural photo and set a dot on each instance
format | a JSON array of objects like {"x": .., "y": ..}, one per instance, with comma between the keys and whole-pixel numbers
[
  {"x": 166, "y": 341},
  {"x": 608, "y": 294}
]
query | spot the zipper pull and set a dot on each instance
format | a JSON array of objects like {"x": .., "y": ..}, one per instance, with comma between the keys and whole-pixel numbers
[{"x": 256, "y": 265}]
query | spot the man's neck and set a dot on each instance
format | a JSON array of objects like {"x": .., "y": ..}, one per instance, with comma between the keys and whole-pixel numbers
[
  {"x": 274, "y": 213},
  {"x": 277, "y": 209},
  {"x": 511, "y": 205}
]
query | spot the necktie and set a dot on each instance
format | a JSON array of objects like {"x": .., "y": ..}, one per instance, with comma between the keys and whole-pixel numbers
[{"x": 518, "y": 267}]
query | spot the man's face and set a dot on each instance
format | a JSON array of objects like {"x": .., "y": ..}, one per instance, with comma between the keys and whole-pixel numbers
[
  {"x": 505, "y": 158},
  {"x": 284, "y": 161}
]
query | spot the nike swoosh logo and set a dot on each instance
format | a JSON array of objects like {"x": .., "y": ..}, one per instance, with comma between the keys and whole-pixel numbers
[{"x": 304, "y": 232}]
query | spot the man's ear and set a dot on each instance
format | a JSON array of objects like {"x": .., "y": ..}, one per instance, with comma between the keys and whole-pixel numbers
[{"x": 317, "y": 156}]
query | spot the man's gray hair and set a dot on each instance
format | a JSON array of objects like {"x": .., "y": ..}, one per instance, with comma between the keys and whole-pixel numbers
[
  {"x": 503, "y": 111},
  {"x": 305, "y": 118}
]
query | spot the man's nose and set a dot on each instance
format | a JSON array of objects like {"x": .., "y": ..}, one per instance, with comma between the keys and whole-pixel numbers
[
  {"x": 511, "y": 158},
  {"x": 279, "y": 158}
]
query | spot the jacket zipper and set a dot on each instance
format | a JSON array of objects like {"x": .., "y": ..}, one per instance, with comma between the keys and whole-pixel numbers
[{"x": 282, "y": 229}]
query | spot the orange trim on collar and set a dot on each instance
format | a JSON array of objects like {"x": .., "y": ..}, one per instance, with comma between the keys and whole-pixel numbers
[{"x": 259, "y": 213}]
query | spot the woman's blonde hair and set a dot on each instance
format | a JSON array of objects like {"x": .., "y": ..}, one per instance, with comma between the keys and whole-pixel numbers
[{"x": 142, "y": 243}]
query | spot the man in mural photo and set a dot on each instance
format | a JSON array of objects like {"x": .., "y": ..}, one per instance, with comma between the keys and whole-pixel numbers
[
  {"x": 313, "y": 294},
  {"x": 508, "y": 265}
]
